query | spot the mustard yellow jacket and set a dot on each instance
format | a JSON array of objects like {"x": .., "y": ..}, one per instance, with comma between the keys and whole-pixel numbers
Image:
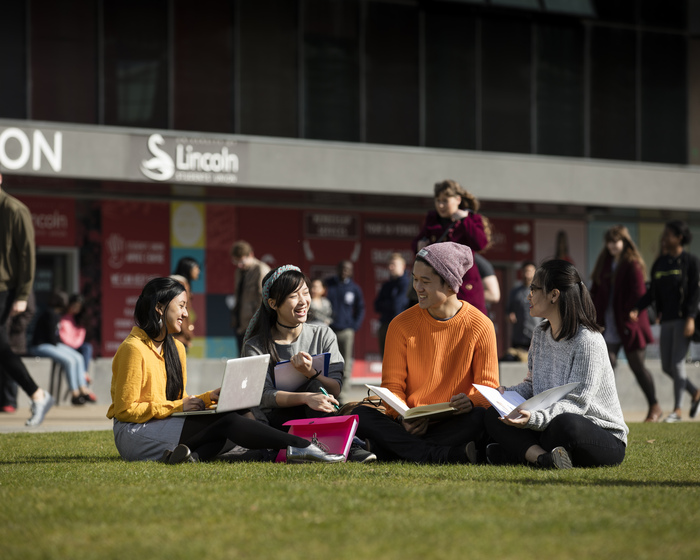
[{"x": 139, "y": 381}]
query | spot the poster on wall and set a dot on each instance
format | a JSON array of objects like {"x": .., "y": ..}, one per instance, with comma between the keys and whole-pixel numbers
[
  {"x": 135, "y": 238},
  {"x": 53, "y": 220}
]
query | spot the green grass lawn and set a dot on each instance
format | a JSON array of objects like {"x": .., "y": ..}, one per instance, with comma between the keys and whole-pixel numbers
[{"x": 68, "y": 495}]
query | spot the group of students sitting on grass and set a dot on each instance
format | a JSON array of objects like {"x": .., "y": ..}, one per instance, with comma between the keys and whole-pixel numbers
[{"x": 435, "y": 352}]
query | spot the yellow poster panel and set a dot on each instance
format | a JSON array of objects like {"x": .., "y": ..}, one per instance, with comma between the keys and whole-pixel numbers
[
  {"x": 650, "y": 243},
  {"x": 187, "y": 224}
]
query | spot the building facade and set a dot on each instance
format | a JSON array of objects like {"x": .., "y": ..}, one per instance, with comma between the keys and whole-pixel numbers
[{"x": 140, "y": 132}]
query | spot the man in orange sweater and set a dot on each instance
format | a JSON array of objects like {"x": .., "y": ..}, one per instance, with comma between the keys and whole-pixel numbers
[{"x": 435, "y": 352}]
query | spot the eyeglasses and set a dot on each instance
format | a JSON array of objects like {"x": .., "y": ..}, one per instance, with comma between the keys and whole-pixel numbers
[{"x": 534, "y": 288}]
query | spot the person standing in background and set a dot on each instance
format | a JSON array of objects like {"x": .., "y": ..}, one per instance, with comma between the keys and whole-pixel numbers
[
  {"x": 392, "y": 298},
  {"x": 675, "y": 291},
  {"x": 455, "y": 219},
  {"x": 519, "y": 313},
  {"x": 187, "y": 269},
  {"x": 247, "y": 287},
  {"x": 320, "y": 310},
  {"x": 17, "y": 265},
  {"x": 618, "y": 283},
  {"x": 348, "y": 305}
]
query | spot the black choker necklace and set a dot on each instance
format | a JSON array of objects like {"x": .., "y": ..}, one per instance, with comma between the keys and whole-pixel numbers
[{"x": 287, "y": 327}]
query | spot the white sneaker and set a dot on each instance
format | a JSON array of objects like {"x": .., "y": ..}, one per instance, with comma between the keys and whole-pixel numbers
[
  {"x": 672, "y": 418},
  {"x": 39, "y": 409}
]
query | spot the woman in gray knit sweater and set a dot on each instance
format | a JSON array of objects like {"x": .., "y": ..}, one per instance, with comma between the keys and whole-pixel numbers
[{"x": 585, "y": 428}]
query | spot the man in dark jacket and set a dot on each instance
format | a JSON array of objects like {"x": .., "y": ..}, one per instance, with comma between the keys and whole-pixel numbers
[{"x": 348, "y": 311}]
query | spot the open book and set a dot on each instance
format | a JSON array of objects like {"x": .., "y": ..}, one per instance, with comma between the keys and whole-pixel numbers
[
  {"x": 443, "y": 409},
  {"x": 287, "y": 378},
  {"x": 511, "y": 403}
]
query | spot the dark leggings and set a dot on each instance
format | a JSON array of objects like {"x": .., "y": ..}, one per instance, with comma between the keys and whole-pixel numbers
[
  {"x": 207, "y": 435},
  {"x": 588, "y": 445},
  {"x": 12, "y": 364},
  {"x": 635, "y": 359}
]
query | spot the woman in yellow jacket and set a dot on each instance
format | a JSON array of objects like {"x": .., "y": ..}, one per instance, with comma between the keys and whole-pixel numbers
[{"x": 149, "y": 375}]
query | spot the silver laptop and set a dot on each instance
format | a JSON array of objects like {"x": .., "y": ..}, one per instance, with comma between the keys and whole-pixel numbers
[{"x": 241, "y": 386}]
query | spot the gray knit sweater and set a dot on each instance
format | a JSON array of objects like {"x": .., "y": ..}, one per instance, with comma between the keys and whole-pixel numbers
[
  {"x": 583, "y": 359},
  {"x": 314, "y": 339}
]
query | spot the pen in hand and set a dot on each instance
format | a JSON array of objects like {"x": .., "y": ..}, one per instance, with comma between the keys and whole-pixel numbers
[{"x": 326, "y": 393}]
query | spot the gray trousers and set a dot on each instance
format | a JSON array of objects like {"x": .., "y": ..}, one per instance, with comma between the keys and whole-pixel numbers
[
  {"x": 346, "y": 345},
  {"x": 674, "y": 348}
]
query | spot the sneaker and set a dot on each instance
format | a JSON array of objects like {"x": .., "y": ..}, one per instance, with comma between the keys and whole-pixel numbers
[
  {"x": 78, "y": 400},
  {"x": 475, "y": 456},
  {"x": 9, "y": 409},
  {"x": 557, "y": 458},
  {"x": 39, "y": 409},
  {"x": 359, "y": 455},
  {"x": 672, "y": 418},
  {"x": 90, "y": 397}
]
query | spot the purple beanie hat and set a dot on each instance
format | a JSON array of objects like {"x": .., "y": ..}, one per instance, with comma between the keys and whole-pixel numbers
[{"x": 450, "y": 260}]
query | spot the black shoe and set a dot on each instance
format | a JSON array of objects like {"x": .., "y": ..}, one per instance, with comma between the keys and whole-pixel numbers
[
  {"x": 557, "y": 458},
  {"x": 694, "y": 404},
  {"x": 181, "y": 454},
  {"x": 312, "y": 454},
  {"x": 495, "y": 455},
  {"x": 475, "y": 456},
  {"x": 359, "y": 455},
  {"x": 78, "y": 400}
]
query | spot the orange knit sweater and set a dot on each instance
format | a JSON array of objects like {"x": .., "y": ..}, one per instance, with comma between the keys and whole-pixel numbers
[{"x": 427, "y": 361}]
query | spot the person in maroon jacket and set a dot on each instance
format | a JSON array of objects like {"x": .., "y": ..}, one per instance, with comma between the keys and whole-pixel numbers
[
  {"x": 455, "y": 219},
  {"x": 618, "y": 283}
]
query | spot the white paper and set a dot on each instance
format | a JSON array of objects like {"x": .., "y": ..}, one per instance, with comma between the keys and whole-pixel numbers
[
  {"x": 288, "y": 378},
  {"x": 510, "y": 400}
]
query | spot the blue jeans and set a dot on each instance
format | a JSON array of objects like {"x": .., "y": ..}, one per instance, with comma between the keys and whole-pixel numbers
[{"x": 69, "y": 358}]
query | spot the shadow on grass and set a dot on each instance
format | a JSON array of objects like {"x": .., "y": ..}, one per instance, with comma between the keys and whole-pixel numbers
[
  {"x": 622, "y": 483},
  {"x": 63, "y": 459}
]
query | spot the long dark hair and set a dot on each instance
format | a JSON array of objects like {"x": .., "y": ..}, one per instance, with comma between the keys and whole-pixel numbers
[
  {"x": 575, "y": 304},
  {"x": 163, "y": 291},
  {"x": 184, "y": 267},
  {"x": 287, "y": 283}
]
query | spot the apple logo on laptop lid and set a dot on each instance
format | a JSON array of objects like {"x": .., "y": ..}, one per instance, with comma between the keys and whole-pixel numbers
[{"x": 245, "y": 383}]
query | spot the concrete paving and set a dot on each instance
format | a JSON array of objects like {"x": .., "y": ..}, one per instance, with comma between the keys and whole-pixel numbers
[{"x": 206, "y": 374}]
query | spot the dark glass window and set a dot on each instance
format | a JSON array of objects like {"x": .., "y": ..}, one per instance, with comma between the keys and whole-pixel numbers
[
  {"x": 450, "y": 80},
  {"x": 269, "y": 68},
  {"x": 669, "y": 13},
  {"x": 331, "y": 70},
  {"x": 203, "y": 66},
  {"x": 612, "y": 93},
  {"x": 136, "y": 63},
  {"x": 663, "y": 98},
  {"x": 13, "y": 61},
  {"x": 506, "y": 69},
  {"x": 392, "y": 74},
  {"x": 618, "y": 11},
  {"x": 64, "y": 61},
  {"x": 560, "y": 90}
]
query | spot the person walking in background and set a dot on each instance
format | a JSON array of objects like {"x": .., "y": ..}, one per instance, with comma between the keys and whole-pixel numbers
[
  {"x": 435, "y": 352},
  {"x": 320, "y": 310},
  {"x": 586, "y": 427},
  {"x": 247, "y": 287},
  {"x": 73, "y": 333},
  {"x": 47, "y": 344},
  {"x": 523, "y": 324},
  {"x": 675, "y": 291},
  {"x": 618, "y": 283},
  {"x": 187, "y": 332},
  {"x": 17, "y": 265},
  {"x": 187, "y": 269},
  {"x": 348, "y": 305},
  {"x": 392, "y": 298},
  {"x": 17, "y": 331},
  {"x": 455, "y": 219},
  {"x": 149, "y": 380}
]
